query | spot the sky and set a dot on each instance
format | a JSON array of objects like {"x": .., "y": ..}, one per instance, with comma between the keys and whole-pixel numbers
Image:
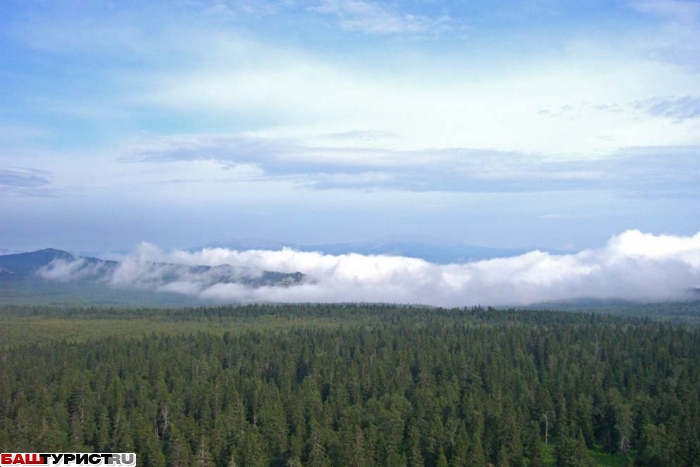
[{"x": 534, "y": 124}]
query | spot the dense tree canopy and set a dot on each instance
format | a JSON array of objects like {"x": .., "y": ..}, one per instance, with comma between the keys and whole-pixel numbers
[{"x": 384, "y": 386}]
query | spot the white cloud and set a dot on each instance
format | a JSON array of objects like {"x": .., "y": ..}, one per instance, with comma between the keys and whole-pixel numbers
[
  {"x": 345, "y": 164},
  {"x": 432, "y": 102},
  {"x": 385, "y": 109},
  {"x": 679, "y": 10},
  {"x": 248, "y": 7},
  {"x": 439, "y": 96},
  {"x": 633, "y": 265},
  {"x": 63, "y": 270},
  {"x": 374, "y": 18},
  {"x": 678, "y": 108}
]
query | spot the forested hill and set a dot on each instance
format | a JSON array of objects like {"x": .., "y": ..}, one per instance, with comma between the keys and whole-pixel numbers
[
  {"x": 351, "y": 385},
  {"x": 57, "y": 277},
  {"x": 682, "y": 311},
  {"x": 23, "y": 265},
  {"x": 63, "y": 266}
]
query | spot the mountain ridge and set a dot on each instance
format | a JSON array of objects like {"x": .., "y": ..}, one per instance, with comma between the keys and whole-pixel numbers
[
  {"x": 52, "y": 276},
  {"x": 33, "y": 262}
]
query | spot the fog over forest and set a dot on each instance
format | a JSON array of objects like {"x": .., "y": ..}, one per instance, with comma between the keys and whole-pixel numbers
[{"x": 633, "y": 265}]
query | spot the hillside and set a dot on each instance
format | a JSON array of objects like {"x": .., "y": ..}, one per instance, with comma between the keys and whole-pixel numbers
[{"x": 57, "y": 277}]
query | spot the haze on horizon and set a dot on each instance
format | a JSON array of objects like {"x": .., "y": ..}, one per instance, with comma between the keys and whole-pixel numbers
[
  {"x": 535, "y": 124},
  {"x": 633, "y": 266}
]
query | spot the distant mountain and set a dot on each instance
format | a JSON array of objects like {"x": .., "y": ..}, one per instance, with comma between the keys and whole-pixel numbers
[
  {"x": 25, "y": 264},
  {"x": 432, "y": 252},
  {"x": 441, "y": 253},
  {"x": 6, "y": 273},
  {"x": 65, "y": 278},
  {"x": 686, "y": 310}
]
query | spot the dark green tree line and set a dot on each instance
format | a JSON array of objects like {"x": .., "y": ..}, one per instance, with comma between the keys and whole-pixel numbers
[{"x": 386, "y": 387}]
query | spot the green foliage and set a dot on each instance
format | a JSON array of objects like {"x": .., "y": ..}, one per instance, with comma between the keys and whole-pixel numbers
[
  {"x": 571, "y": 451},
  {"x": 344, "y": 385}
]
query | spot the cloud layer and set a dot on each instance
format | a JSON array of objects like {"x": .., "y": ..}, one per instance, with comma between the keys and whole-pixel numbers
[
  {"x": 191, "y": 121},
  {"x": 448, "y": 170},
  {"x": 633, "y": 265}
]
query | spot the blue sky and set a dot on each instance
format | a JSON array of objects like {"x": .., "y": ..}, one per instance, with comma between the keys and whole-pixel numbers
[{"x": 529, "y": 124}]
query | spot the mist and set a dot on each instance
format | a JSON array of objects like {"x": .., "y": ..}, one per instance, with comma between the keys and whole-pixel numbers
[{"x": 631, "y": 266}]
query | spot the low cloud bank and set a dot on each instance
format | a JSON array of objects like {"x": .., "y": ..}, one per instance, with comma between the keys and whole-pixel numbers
[
  {"x": 64, "y": 270},
  {"x": 633, "y": 265}
]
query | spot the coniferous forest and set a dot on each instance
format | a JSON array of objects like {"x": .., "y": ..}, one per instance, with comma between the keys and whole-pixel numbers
[{"x": 351, "y": 385}]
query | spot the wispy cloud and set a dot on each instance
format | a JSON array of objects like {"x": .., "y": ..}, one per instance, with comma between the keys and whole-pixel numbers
[
  {"x": 677, "y": 108},
  {"x": 633, "y": 265},
  {"x": 676, "y": 39},
  {"x": 30, "y": 182},
  {"x": 680, "y": 10},
  {"x": 359, "y": 135},
  {"x": 64, "y": 270},
  {"x": 378, "y": 18},
  {"x": 145, "y": 269},
  {"x": 23, "y": 178},
  {"x": 382, "y": 105},
  {"x": 659, "y": 170},
  {"x": 247, "y": 7}
]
